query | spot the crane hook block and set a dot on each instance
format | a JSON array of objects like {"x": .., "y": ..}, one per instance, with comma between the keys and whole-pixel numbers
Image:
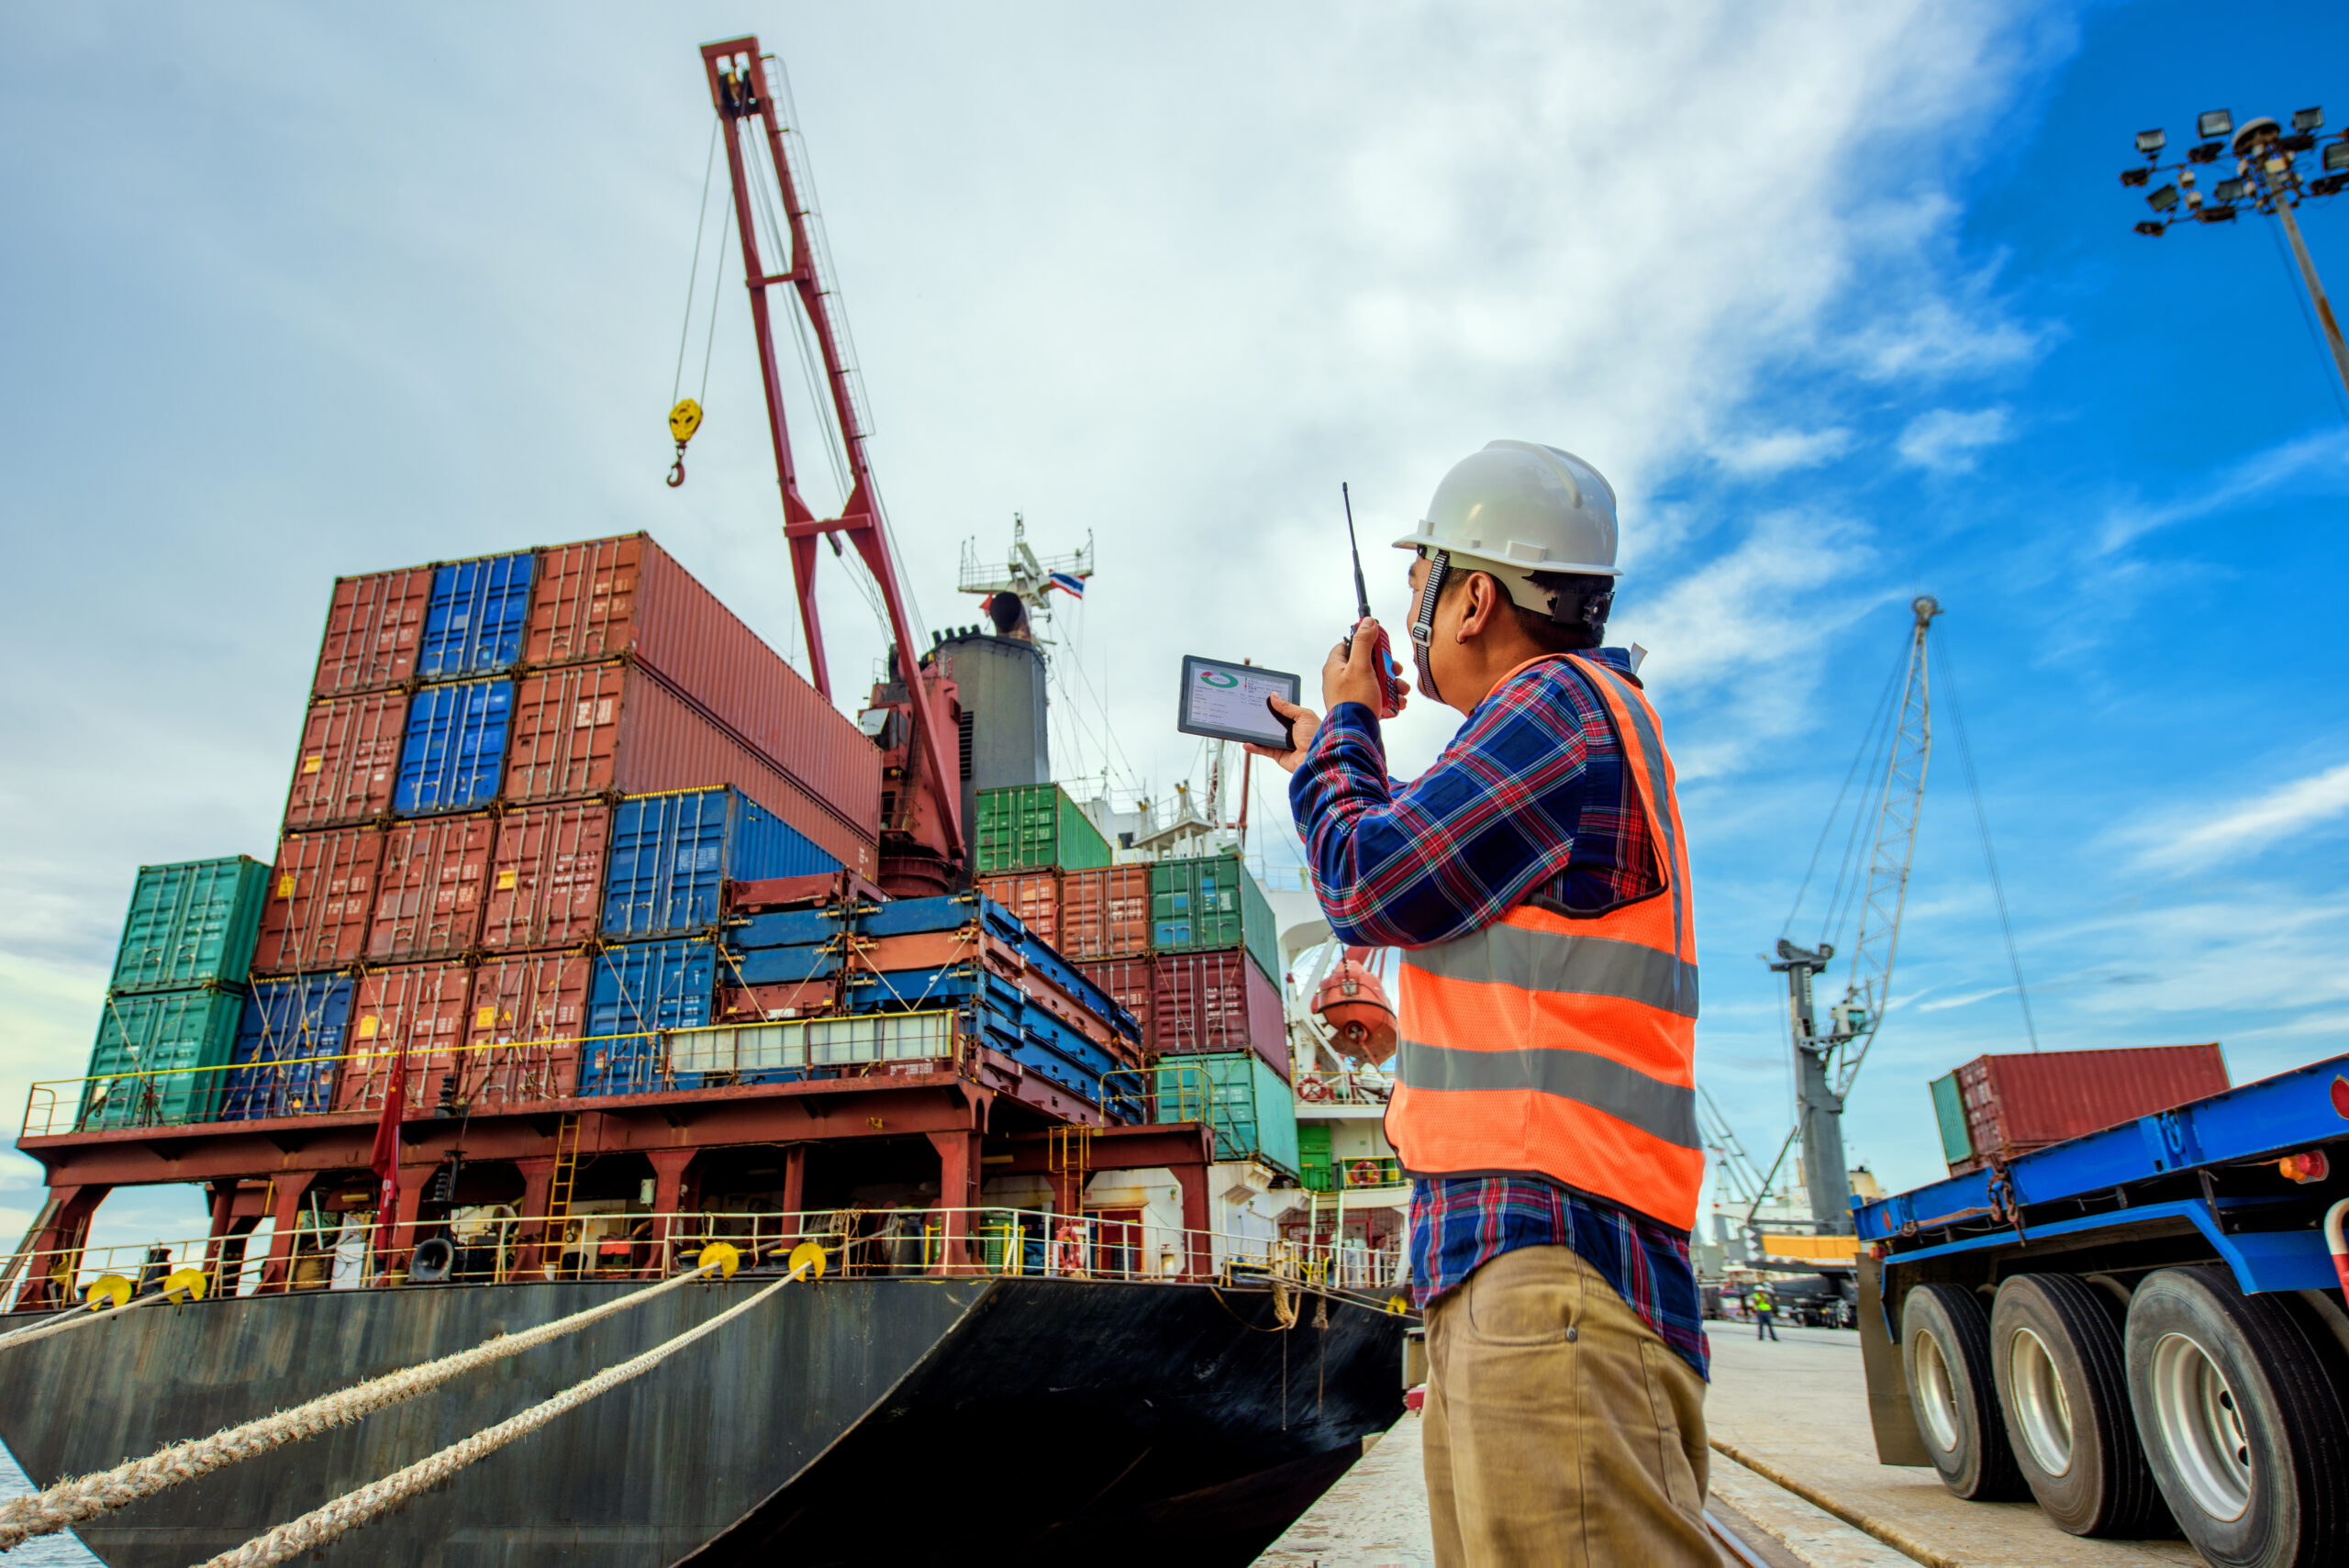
[{"x": 684, "y": 420}]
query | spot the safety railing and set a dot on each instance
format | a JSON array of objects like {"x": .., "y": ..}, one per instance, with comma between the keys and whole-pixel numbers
[
  {"x": 1343, "y": 1089},
  {"x": 451, "y": 1079},
  {"x": 1222, "y": 1091},
  {"x": 1348, "y": 1176},
  {"x": 495, "y": 1245}
]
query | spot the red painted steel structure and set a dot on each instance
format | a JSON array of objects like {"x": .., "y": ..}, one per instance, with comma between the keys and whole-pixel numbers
[{"x": 738, "y": 92}]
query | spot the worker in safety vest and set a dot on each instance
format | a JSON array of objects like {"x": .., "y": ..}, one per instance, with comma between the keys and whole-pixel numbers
[
  {"x": 1765, "y": 1313},
  {"x": 1536, "y": 879}
]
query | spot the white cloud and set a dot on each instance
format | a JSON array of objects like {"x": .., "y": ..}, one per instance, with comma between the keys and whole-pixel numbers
[
  {"x": 2180, "y": 842},
  {"x": 2321, "y": 459},
  {"x": 1782, "y": 451},
  {"x": 1947, "y": 441}
]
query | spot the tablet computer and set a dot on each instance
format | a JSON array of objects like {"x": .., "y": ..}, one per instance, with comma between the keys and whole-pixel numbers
[{"x": 1224, "y": 701}]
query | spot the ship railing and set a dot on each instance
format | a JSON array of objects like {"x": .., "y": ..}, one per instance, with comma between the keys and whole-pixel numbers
[
  {"x": 496, "y": 1244},
  {"x": 1362, "y": 1173},
  {"x": 1347, "y": 1088}
]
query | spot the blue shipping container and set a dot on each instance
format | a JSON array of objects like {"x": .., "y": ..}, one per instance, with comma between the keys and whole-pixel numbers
[
  {"x": 641, "y": 987},
  {"x": 476, "y": 618},
  {"x": 454, "y": 757},
  {"x": 671, "y": 855},
  {"x": 288, "y": 1026}
]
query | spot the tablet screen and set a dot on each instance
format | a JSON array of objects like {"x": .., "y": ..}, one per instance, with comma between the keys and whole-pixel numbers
[{"x": 1226, "y": 701}]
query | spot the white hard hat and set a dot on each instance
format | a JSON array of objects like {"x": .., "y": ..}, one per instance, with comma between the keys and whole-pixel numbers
[{"x": 1518, "y": 505}]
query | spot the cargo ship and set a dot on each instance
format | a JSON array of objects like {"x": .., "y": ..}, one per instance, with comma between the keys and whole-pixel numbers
[{"x": 604, "y": 960}]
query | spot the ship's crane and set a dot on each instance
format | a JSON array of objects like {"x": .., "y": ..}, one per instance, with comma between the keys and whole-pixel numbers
[{"x": 922, "y": 848}]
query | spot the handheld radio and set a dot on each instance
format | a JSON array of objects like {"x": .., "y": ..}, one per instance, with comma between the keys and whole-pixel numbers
[{"x": 1390, "y": 674}]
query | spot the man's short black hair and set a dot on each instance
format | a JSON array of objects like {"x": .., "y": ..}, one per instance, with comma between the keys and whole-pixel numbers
[{"x": 1578, "y": 608}]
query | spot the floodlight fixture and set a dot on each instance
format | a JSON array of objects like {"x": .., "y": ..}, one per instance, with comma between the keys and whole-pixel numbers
[
  {"x": 2231, "y": 190},
  {"x": 2216, "y": 123},
  {"x": 2327, "y": 184},
  {"x": 2336, "y": 157},
  {"x": 2149, "y": 226},
  {"x": 2217, "y": 214},
  {"x": 2162, "y": 200},
  {"x": 2150, "y": 142},
  {"x": 2308, "y": 119},
  {"x": 2136, "y": 176}
]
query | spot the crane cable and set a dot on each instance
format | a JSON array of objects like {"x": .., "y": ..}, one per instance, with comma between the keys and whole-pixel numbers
[
  {"x": 1982, "y": 821},
  {"x": 684, "y": 413}
]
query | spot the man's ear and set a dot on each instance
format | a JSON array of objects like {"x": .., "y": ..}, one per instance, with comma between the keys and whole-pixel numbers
[{"x": 1476, "y": 612}]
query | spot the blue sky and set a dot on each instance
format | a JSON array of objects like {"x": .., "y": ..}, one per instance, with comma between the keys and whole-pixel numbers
[{"x": 1844, "y": 299}]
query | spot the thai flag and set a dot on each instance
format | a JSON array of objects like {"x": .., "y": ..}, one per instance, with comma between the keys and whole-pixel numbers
[{"x": 1069, "y": 581}]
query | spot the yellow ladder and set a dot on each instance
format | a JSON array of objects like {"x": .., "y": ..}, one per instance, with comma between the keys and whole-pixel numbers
[{"x": 566, "y": 1170}]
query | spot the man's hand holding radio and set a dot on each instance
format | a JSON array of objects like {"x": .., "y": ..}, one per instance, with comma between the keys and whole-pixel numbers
[{"x": 1349, "y": 675}]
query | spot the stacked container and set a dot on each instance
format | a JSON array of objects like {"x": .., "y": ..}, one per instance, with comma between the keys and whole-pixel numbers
[{"x": 1035, "y": 827}]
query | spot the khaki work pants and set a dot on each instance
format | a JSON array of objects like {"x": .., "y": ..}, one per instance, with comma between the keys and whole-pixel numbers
[{"x": 1559, "y": 1429}]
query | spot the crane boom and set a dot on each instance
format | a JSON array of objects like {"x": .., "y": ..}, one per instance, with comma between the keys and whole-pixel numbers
[{"x": 740, "y": 92}]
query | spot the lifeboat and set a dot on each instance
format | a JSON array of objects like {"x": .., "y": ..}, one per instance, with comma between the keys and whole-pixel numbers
[{"x": 1354, "y": 1006}]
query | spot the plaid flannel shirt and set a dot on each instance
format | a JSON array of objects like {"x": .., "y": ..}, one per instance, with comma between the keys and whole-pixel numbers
[{"x": 1530, "y": 797}]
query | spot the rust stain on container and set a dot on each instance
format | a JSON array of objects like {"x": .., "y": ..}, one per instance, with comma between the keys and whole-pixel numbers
[
  {"x": 1106, "y": 913},
  {"x": 321, "y": 893},
  {"x": 2018, "y": 1103},
  {"x": 528, "y": 1010},
  {"x": 344, "y": 770},
  {"x": 430, "y": 887},
  {"x": 418, "y": 1007},
  {"x": 546, "y": 879},
  {"x": 1035, "y": 898},
  {"x": 373, "y": 626},
  {"x": 1127, "y": 982}
]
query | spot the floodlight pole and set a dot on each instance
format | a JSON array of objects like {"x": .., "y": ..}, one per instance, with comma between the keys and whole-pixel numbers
[{"x": 2316, "y": 290}]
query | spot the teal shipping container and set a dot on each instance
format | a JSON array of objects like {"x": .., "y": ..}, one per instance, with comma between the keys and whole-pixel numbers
[
  {"x": 156, "y": 1052},
  {"x": 1243, "y": 1101},
  {"x": 1210, "y": 905},
  {"x": 1033, "y": 828},
  {"x": 191, "y": 923},
  {"x": 1949, "y": 1111}
]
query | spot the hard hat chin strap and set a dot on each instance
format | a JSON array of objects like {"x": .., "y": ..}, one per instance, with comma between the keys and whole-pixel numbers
[{"x": 1423, "y": 620}]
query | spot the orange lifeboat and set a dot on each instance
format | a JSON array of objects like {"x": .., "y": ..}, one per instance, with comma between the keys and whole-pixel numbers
[{"x": 1354, "y": 1006}]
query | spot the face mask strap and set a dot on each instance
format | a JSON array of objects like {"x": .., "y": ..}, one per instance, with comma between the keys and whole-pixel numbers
[{"x": 1423, "y": 619}]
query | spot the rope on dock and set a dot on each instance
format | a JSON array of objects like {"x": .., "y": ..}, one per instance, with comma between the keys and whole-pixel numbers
[
  {"x": 321, "y": 1526},
  {"x": 70, "y": 1502}
]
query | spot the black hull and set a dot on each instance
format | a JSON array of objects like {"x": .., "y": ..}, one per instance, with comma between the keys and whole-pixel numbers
[{"x": 849, "y": 1420}]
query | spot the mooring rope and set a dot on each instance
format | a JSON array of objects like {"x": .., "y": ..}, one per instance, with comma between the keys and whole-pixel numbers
[
  {"x": 70, "y": 1502},
  {"x": 73, "y": 1317},
  {"x": 323, "y": 1525}
]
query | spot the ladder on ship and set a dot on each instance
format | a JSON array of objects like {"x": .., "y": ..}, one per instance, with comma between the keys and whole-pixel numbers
[{"x": 558, "y": 1185}]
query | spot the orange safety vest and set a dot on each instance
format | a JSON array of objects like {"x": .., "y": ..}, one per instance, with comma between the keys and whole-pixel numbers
[{"x": 1565, "y": 1045}]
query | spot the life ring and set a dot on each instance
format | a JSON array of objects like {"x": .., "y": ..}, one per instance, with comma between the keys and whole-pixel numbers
[
  {"x": 1363, "y": 1174},
  {"x": 1315, "y": 1088},
  {"x": 1069, "y": 1245}
]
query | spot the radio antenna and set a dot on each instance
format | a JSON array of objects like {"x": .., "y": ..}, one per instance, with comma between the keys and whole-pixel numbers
[{"x": 1362, "y": 593}]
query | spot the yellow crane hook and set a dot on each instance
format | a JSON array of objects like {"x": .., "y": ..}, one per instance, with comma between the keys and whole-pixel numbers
[{"x": 684, "y": 420}]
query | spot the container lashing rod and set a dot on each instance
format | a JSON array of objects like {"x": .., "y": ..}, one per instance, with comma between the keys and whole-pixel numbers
[{"x": 740, "y": 93}]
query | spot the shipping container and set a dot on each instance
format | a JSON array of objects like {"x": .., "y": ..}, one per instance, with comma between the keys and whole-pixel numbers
[
  {"x": 1211, "y": 904},
  {"x": 2013, "y": 1103},
  {"x": 154, "y": 1060},
  {"x": 594, "y": 730},
  {"x": 1243, "y": 1101},
  {"x": 479, "y": 613},
  {"x": 430, "y": 887},
  {"x": 1034, "y": 896},
  {"x": 1217, "y": 1002},
  {"x": 419, "y": 1008},
  {"x": 289, "y": 1048},
  {"x": 1129, "y": 982},
  {"x": 527, "y": 1014},
  {"x": 454, "y": 756},
  {"x": 627, "y": 597},
  {"x": 639, "y": 988},
  {"x": 1031, "y": 827},
  {"x": 191, "y": 923},
  {"x": 373, "y": 626},
  {"x": 673, "y": 854},
  {"x": 1105, "y": 913},
  {"x": 349, "y": 761},
  {"x": 814, "y": 999},
  {"x": 321, "y": 893},
  {"x": 546, "y": 879}
]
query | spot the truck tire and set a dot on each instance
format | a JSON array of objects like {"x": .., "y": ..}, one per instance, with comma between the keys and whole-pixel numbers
[
  {"x": 2241, "y": 1420},
  {"x": 1946, "y": 1356},
  {"x": 2063, "y": 1378}
]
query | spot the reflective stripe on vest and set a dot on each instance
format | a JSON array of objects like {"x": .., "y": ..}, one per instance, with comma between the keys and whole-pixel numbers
[{"x": 1561, "y": 1045}]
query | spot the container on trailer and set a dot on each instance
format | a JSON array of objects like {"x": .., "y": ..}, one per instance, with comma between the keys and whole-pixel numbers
[
  {"x": 546, "y": 876},
  {"x": 416, "y": 1008},
  {"x": 1129, "y": 982},
  {"x": 288, "y": 1050},
  {"x": 1031, "y": 827},
  {"x": 453, "y": 755},
  {"x": 1217, "y": 1002},
  {"x": 373, "y": 624},
  {"x": 321, "y": 894},
  {"x": 430, "y": 887},
  {"x": 1032, "y": 895},
  {"x": 155, "y": 1060},
  {"x": 626, "y": 597},
  {"x": 596, "y": 729},
  {"x": 191, "y": 923},
  {"x": 2014, "y": 1103},
  {"x": 479, "y": 613},
  {"x": 1243, "y": 1101},
  {"x": 639, "y": 989},
  {"x": 523, "y": 1027},
  {"x": 349, "y": 761},
  {"x": 1211, "y": 904},
  {"x": 1105, "y": 913},
  {"x": 673, "y": 854}
]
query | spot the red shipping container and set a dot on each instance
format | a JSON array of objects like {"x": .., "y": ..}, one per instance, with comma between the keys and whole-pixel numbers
[
  {"x": 589, "y": 730},
  {"x": 1217, "y": 1001},
  {"x": 627, "y": 596},
  {"x": 428, "y": 889},
  {"x": 528, "y": 1011},
  {"x": 321, "y": 893},
  {"x": 2014, "y": 1103},
  {"x": 1035, "y": 898},
  {"x": 373, "y": 624},
  {"x": 343, "y": 773},
  {"x": 415, "y": 1008},
  {"x": 546, "y": 880},
  {"x": 795, "y": 999},
  {"x": 1106, "y": 913},
  {"x": 1127, "y": 982}
]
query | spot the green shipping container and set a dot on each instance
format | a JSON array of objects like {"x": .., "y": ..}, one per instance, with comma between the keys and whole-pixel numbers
[
  {"x": 1245, "y": 1104},
  {"x": 1210, "y": 905},
  {"x": 1032, "y": 827},
  {"x": 1949, "y": 1109},
  {"x": 147, "y": 1068},
  {"x": 190, "y": 924},
  {"x": 1312, "y": 1148}
]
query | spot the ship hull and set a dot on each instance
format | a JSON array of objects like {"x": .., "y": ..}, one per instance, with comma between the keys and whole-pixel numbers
[{"x": 849, "y": 1420}]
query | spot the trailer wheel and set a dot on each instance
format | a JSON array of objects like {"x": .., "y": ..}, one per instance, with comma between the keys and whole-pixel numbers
[
  {"x": 1945, "y": 1354},
  {"x": 2063, "y": 1379},
  {"x": 2242, "y": 1423}
]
